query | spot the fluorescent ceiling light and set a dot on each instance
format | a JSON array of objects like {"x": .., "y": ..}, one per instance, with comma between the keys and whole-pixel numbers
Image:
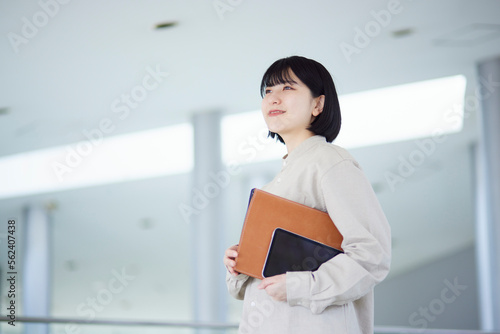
[
  {"x": 368, "y": 118},
  {"x": 392, "y": 114},
  {"x": 97, "y": 161},
  {"x": 404, "y": 112}
]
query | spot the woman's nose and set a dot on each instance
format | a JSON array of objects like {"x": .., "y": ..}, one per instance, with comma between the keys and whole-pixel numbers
[{"x": 274, "y": 98}]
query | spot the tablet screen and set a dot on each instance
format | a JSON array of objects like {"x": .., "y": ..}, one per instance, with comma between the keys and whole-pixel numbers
[{"x": 291, "y": 252}]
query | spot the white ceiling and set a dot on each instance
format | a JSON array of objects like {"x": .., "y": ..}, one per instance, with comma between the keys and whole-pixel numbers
[{"x": 66, "y": 78}]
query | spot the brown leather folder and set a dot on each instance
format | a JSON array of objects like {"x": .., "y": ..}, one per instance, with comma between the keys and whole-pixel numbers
[{"x": 266, "y": 213}]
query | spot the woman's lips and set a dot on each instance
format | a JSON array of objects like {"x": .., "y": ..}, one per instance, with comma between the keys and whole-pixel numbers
[{"x": 276, "y": 112}]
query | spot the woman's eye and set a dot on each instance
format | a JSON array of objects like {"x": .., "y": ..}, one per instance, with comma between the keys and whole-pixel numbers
[
  {"x": 287, "y": 87},
  {"x": 267, "y": 91}
]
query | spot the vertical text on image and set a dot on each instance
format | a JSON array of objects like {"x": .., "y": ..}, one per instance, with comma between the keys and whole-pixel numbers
[{"x": 12, "y": 273}]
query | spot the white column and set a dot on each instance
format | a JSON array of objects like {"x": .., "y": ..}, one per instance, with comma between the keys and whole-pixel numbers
[
  {"x": 488, "y": 195},
  {"x": 209, "y": 182},
  {"x": 36, "y": 274}
]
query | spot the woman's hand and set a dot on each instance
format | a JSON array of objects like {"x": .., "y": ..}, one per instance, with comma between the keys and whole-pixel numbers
[
  {"x": 230, "y": 256},
  {"x": 275, "y": 287}
]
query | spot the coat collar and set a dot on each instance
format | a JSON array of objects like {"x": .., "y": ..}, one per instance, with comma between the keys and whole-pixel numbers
[{"x": 303, "y": 147}]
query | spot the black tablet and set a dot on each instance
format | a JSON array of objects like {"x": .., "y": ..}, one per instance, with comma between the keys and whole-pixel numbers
[{"x": 292, "y": 252}]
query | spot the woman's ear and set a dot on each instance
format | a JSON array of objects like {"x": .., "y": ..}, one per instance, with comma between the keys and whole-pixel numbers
[{"x": 320, "y": 103}]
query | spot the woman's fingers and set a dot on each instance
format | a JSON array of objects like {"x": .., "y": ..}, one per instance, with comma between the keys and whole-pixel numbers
[
  {"x": 230, "y": 256},
  {"x": 275, "y": 287},
  {"x": 231, "y": 253},
  {"x": 230, "y": 263}
]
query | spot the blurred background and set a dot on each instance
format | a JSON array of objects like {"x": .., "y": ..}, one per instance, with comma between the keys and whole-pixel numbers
[{"x": 131, "y": 136}]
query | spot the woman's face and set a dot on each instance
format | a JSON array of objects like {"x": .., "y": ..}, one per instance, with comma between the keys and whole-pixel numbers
[{"x": 289, "y": 108}]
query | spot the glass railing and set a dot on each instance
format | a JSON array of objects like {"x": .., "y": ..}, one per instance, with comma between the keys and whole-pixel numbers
[
  {"x": 411, "y": 330},
  {"x": 27, "y": 325}
]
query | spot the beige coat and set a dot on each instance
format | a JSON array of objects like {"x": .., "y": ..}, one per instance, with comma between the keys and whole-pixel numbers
[{"x": 338, "y": 297}]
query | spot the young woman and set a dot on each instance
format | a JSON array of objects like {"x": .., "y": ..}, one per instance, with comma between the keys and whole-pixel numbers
[{"x": 301, "y": 109}]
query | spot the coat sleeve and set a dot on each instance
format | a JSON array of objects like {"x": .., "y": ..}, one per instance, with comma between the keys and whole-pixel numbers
[
  {"x": 355, "y": 210},
  {"x": 236, "y": 285}
]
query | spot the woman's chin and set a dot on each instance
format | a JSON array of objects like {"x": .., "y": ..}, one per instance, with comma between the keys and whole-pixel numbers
[{"x": 275, "y": 129}]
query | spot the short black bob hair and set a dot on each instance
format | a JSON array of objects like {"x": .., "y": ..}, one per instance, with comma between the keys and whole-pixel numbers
[{"x": 317, "y": 78}]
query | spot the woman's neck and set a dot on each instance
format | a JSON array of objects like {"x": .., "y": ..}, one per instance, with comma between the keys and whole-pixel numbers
[{"x": 292, "y": 142}]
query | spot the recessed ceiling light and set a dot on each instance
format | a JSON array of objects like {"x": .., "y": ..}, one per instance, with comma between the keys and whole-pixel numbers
[
  {"x": 70, "y": 265},
  {"x": 403, "y": 32},
  {"x": 146, "y": 223},
  {"x": 51, "y": 205},
  {"x": 167, "y": 24}
]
